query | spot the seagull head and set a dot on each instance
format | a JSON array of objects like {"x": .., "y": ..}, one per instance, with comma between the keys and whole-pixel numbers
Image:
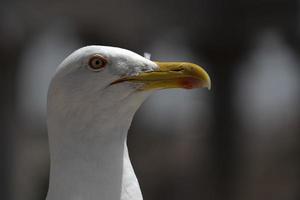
[
  {"x": 114, "y": 74},
  {"x": 99, "y": 83}
]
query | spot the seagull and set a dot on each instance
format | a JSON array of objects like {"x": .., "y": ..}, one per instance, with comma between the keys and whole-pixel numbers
[{"x": 91, "y": 101}]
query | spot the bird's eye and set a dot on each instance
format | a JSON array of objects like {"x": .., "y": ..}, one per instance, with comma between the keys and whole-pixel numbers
[{"x": 97, "y": 62}]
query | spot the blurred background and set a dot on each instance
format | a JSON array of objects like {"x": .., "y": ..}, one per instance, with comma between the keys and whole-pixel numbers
[{"x": 239, "y": 141}]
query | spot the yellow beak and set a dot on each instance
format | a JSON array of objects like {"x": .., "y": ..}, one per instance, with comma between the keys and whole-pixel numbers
[{"x": 171, "y": 75}]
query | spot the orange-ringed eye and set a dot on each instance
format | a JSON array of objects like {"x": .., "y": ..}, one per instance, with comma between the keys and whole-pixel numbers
[{"x": 97, "y": 62}]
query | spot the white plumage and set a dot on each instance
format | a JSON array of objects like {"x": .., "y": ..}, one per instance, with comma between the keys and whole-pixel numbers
[{"x": 90, "y": 109}]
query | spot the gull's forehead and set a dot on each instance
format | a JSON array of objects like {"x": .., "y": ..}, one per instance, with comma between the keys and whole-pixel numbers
[
  {"x": 109, "y": 53},
  {"x": 123, "y": 61}
]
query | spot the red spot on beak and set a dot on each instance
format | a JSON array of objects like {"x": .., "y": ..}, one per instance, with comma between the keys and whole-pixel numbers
[{"x": 190, "y": 83}]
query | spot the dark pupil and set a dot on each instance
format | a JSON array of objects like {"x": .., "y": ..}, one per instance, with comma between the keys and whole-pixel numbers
[{"x": 97, "y": 62}]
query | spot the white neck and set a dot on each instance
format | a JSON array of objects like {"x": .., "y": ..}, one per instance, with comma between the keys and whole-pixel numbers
[
  {"x": 89, "y": 156},
  {"x": 130, "y": 185}
]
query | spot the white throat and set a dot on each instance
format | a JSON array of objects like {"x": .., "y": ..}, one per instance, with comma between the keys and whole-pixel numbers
[{"x": 89, "y": 156}]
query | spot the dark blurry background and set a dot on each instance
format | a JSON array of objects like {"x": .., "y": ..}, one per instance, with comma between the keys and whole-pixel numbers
[{"x": 239, "y": 141}]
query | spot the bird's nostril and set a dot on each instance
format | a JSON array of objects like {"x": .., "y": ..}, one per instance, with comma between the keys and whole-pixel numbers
[{"x": 177, "y": 70}]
